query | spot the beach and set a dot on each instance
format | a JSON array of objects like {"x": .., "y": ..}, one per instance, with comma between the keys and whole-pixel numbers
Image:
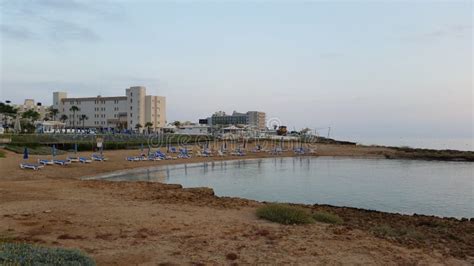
[{"x": 123, "y": 223}]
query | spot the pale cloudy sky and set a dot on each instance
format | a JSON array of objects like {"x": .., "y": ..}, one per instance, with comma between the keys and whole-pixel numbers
[{"x": 365, "y": 68}]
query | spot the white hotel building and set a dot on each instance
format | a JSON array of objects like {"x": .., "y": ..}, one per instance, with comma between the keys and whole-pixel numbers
[{"x": 118, "y": 112}]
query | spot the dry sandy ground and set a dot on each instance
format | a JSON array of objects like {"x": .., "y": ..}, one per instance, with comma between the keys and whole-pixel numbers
[{"x": 124, "y": 223}]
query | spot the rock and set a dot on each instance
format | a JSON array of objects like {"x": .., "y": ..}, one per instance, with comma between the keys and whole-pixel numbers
[{"x": 231, "y": 256}]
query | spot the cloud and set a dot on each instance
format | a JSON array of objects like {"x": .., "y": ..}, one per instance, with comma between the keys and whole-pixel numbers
[
  {"x": 454, "y": 31},
  {"x": 16, "y": 32},
  {"x": 68, "y": 31},
  {"x": 57, "y": 20}
]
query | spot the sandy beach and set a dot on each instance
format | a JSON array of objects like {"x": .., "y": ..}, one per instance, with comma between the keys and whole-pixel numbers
[{"x": 129, "y": 223}]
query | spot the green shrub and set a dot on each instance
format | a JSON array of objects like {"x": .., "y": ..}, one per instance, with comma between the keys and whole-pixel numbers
[
  {"x": 328, "y": 218},
  {"x": 389, "y": 231},
  {"x": 27, "y": 254},
  {"x": 284, "y": 214},
  {"x": 33, "y": 150}
]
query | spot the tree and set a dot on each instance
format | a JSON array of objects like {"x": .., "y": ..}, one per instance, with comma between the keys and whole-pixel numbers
[
  {"x": 83, "y": 118},
  {"x": 74, "y": 109},
  {"x": 29, "y": 118},
  {"x": 63, "y": 119},
  {"x": 7, "y": 111},
  {"x": 32, "y": 115},
  {"x": 148, "y": 125},
  {"x": 53, "y": 112},
  {"x": 176, "y": 123},
  {"x": 138, "y": 126}
]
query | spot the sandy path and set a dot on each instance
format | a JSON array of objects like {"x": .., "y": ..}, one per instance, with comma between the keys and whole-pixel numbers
[{"x": 139, "y": 223}]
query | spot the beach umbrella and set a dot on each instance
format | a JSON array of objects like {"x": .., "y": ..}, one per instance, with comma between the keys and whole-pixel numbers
[
  {"x": 225, "y": 145},
  {"x": 25, "y": 153},
  {"x": 141, "y": 147},
  {"x": 245, "y": 144},
  {"x": 17, "y": 126},
  {"x": 53, "y": 150},
  {"x": 75, "y": 148}
]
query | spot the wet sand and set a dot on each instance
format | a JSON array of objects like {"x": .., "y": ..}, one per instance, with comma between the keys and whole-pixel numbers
[{"x": 125, "y": 223}]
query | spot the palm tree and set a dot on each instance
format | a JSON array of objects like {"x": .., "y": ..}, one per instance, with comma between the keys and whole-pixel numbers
[
  {"x": 83, "y": 118},
  {"x": 74, "y": 109},
  {"x": 148, "y": 125},
  {"x": 53, "y": 112},
  {"x": 63, "y": 119},
  {"x": 138, "y": 126}
]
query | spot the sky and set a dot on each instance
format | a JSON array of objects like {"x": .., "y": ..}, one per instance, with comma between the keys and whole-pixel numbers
[{"x": 364, "y": 68}]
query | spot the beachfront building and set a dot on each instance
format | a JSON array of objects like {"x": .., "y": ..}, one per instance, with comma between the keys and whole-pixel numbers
[
  {"x": 30, "y": 104},
  {"x": 201, "y": 130},
  {"x": 254, "y": 119},
  {"x": 132, "y": 111}
]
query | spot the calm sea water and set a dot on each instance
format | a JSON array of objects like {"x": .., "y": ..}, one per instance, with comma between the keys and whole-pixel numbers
[
  {"x": 399, "y": 186},
  {"x": 462, "y": 144}
]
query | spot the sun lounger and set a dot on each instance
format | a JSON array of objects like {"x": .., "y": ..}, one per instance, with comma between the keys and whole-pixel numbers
[
  {"x": 73, "y": 158},
  {"x": 163, "y": 156},
  {"x": 45, "y": 162},
  {"x": 98, "y": 157},
  {"x": 61, "y": 162},
  {"x": 133, "y": 158},
  {"x": 220, "y": 153},
  {"x": 32, "y": 166},
  {"x": 299, "y": 151},
  {"x": 153, "y": 158},
  {"x": 84, "y": 160}
]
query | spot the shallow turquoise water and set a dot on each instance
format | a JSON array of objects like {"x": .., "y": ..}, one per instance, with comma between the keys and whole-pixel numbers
[{"x": 400, "y": 186}]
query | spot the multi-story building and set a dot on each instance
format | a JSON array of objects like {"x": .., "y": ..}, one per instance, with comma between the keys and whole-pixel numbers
[
  {"x": 117, "y": 112},
  {"x": 252, "y": 118},
  {"x": 30, "y": 104}
]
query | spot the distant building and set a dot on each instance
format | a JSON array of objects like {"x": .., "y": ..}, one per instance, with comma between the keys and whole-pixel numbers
[
  {"x": 193, "y": 130},
  {"x": 30, "y": 104},
  {"x": 117, "y": 112},
  {"x": 251, "y": 118}
]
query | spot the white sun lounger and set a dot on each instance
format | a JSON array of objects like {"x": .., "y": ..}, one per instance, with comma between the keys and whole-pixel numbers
[
  {"x": 134, "y": 158},
  {"x": 84, "y": 160},
  {"x": 32, "y": 166},
  {"x": 45, "y": 162},
  {"x": 97, "y": 157},
  {"x": 73, "y": 159},
  {"x": 61, "y": 162}
]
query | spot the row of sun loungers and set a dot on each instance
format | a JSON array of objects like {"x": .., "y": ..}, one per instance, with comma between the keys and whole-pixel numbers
[
  {"x": 70, "y": 159},
  {"x": 157, "y": 156}
]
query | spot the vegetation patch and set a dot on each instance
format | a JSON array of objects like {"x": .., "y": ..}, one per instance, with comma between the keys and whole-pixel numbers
[
  {"x": 326, "y": 217},
  {"x": 392, "y": 232},
  {"x": 284, "y": 214},
  {"x": 27, "y": 254},
  {"x": 33, "y": 149},
  {"x": 2, "y": 154}
]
